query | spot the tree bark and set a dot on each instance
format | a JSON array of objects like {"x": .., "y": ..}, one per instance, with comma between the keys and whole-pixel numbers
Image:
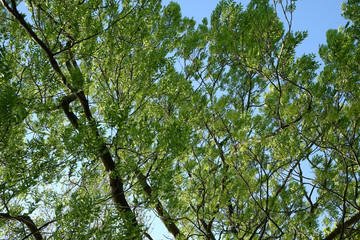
[
  {"x": 161, "y": 211},
  {"x": 27, "y": 221},
  {"x": 115, "y": 180},
  {"x": 354, "y": 219}
]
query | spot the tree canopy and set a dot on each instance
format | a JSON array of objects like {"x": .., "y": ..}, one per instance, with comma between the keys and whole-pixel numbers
[{"x": 114, "y": 110}]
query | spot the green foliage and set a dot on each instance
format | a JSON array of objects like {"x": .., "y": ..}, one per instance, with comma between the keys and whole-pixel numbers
[{"x": 111, "y": 111}]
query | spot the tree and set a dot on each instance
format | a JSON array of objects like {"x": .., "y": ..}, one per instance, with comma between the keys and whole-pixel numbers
[{"x": 111, "y": 110}]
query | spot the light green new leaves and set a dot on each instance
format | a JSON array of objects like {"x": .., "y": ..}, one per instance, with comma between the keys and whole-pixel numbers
[{"x": 219, "y": 127}]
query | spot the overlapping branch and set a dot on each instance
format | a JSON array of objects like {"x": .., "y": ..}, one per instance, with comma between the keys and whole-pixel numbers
[
  {"x": 116, "y": 183},
  {"x": 337, "y": 231},
  {"x": 115, "y": 180},
  {"x": 35, "y": 231}
]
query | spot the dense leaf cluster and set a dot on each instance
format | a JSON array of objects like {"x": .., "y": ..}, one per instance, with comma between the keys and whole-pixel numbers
[{"x": 113, "y": 111}]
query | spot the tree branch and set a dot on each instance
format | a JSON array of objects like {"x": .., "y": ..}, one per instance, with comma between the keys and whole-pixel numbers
[
  {"x": 354, "y": 219},
  {"x": 13, "y": 11},
  {"x": 115, "y": 180},
  {"x": 65, "y": 106},
  {"x": 43, "y": 226},
  {"x": 148, "y": 236},
  {"x": 27, "y": 221},
  {"x": 161, "y": 211}
]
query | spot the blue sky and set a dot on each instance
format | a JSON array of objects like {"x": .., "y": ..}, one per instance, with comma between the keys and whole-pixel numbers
[{"x": 315, "y": 16}]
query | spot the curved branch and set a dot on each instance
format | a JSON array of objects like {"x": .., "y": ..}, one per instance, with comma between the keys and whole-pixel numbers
[
  {"x": 43, "y": 226},
  {"x": 148, "y": 236},
  {"x": 13, "y": 11},
  {"x": 354, "y": 219},
  {"x": 160, "y": 209},
  {"x": 70, "y": 115},
  {"x": 115, "y": 181},
  {"x": 27, "y": 221}
]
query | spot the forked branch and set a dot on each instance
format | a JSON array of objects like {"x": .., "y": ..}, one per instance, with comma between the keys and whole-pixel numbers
[{"x": 27, "y": 221}]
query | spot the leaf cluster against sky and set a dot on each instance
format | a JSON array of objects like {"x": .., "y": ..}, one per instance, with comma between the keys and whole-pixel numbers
[{"x": 112, "y": 110}]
